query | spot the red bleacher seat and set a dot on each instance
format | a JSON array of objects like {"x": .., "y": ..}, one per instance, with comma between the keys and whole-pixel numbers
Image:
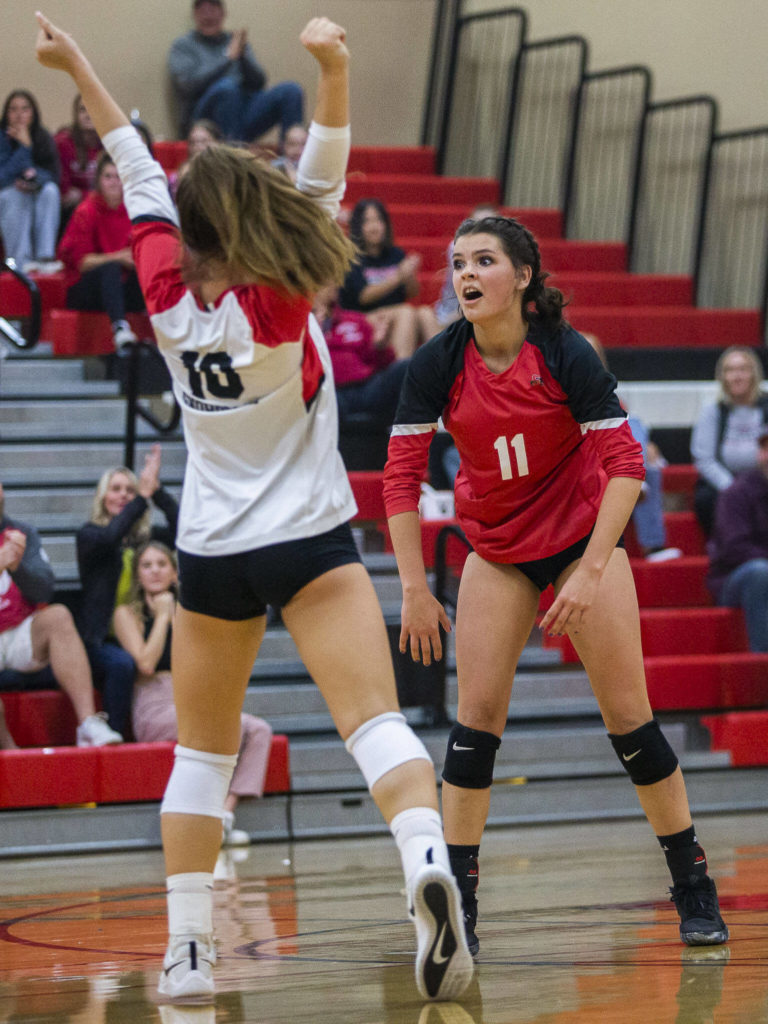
[
  {"x": 667, "y": 326},
  {"x": 735, "y": 679},
  {"x": 43, "y": 723},
  {"x": 73, "y": 333},
  {"x": 743, "y": 733},
  {"x": 367, "y": 488},
  {"x": 679, "y": 478},
  {"x": 14, "y": 297},
  {"x": 678, "y": 583},
  {"x": 48, "y": 777},
  {"x": 423, "y": 188}
]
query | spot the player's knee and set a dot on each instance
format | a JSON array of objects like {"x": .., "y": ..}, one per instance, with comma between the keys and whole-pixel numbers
[
  {"x": 470, "y": 757},
  {"x": 199, "y": 783},
  {"x": 383, "y": 743},
  {"x": 645, "y": 754},
  {"x": 56, "y": 618}
]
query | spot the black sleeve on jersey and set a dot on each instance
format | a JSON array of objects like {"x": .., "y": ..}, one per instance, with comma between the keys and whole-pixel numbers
[
  {"x": 432, "y": 370},
  {"x": 590, "y": 388},
  {"x": 148, "y": 218}
]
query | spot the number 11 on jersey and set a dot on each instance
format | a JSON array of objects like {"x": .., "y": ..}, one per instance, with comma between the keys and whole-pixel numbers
[{"x": 517, "y": 444}]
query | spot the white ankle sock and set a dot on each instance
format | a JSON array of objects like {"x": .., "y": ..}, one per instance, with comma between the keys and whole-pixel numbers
[
  {"x": 190, "y": 903},
  {"x": 418, "y": 830}
]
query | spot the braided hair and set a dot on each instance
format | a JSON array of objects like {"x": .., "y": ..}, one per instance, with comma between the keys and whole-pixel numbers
[{"x": 523, "y": 251}]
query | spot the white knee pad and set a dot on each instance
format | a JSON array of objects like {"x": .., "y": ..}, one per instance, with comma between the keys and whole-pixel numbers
[
  {"x": 199, "y": 783},
  {"x": 383, "y": 743}
]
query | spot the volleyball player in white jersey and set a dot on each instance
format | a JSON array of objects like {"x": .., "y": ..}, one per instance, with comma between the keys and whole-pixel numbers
[{"x": 266, "y": 502}]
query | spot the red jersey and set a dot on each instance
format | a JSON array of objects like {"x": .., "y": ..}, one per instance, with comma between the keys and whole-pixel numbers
[{"x": 537, "y": 442}]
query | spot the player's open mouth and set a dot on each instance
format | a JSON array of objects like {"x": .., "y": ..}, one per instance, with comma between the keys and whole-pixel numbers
[{"x": 470, "y": 294}]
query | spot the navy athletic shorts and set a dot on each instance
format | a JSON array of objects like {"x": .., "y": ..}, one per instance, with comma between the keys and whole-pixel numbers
[
  {"x": 240, "y": 586},
  {"x": 543, "y": 571}
]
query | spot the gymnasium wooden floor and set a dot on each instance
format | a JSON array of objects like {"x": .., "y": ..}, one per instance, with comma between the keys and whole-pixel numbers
[{"x": 575, "y": 927}]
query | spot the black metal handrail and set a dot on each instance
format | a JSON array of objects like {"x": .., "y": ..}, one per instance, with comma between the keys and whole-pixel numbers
[
  {"x": 133, "y": 406},
  {"x": 8, "y": 331}
]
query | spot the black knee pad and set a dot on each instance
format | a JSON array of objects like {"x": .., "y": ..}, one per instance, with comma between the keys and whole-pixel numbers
[
  {"x": 645, "y": 753},
  {"x": 470, "y": 757}
]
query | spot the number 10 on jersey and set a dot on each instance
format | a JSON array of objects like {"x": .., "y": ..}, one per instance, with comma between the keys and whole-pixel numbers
[{"x": 517, "y": 446}]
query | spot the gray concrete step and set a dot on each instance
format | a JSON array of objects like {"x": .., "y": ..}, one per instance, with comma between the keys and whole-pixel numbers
[
  {"x": 86, "y": 417},
  {"x": 82, "y": 463}
]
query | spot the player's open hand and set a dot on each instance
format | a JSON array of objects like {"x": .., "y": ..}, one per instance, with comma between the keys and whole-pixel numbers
[
  {"x": 55, "y": 48},
  {"x": 327, "y": 42}
]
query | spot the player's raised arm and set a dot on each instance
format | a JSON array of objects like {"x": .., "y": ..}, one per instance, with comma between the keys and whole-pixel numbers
[
  {"x": 58, "y": 50},
  {"x": 326, "y": 41}
]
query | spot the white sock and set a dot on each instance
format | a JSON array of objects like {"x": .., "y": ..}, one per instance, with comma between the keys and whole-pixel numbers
[
  {"x": 190, "y": 903},
  {"x": 417, "y": 831}
]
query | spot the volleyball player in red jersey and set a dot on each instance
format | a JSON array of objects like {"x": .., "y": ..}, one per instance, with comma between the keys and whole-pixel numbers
[
  {"x": 266, "y": 503},
  {"x": 548, "y": 479}
]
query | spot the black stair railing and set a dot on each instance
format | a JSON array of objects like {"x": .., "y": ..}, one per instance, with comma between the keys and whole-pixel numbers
[
  {"x": 138, "y": 355},
  {"x": 8, "y": 331}
]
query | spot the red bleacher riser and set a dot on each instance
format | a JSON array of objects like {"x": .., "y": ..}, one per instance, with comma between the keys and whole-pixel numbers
[
  {"x": 743, "y": 733},
  {"x": 679, "y": 478},
  {"x": 132, "y": 772},
  {"x": 49, "y": 777},
  {"x": 679, "y": 631},
  {"x": 622, "y": 289},
  {"x": 14, "y": 297},
  {"x": 40, "y": 718},
  {"x": 392, "y": 160},
  {"x": 73, "y": 333},
  {"x": 737, "y": 679},
  {"x": 682, "y": 529},
  {"x": 440, "y": 220},
  {"x": 367, "y": 487},
  {"x": 386, "y": 159},
  {"x": 424, "y": 188},
  {"x": 674, "y": 584},
  {"x": 560, "y": 254},
  {"x": 667, "y": 327},
  {"x": 278, "y": 777}
]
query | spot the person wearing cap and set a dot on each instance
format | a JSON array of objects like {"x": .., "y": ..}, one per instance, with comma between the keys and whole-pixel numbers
[
  {"x": 738, "y": 548},
  {"x": 216, "y": 76}
]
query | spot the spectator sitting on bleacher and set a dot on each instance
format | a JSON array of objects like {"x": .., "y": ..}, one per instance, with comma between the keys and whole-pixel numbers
[
  {"x": 30, "y": 203},
  {"x": 384, "y": 275},
  {"x": 738, "y": 548},
  {"x": 79, "y": 147},
  {"x": 201, "y": 135},
  {"x": 96, "y": 250},
  {"x": 33, "y": 637},
  {"x": 724, "y": 438},
  {"x": 143, "y": 626},
  {"x": 120, "y": 521},
  {"x": 366, "y": 371},
  {"x": 215, "y": 75},
  {"x": 293, "y": 146}
]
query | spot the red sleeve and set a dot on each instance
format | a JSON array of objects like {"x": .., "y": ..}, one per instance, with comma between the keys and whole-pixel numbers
[
  {"x": 79, "y": 237},
  {"x": 618, "y": 451},
  {"x": 406, "y": 468},
  {"x": 157, "y": 255},
  {"x": 275, "y": 317}
]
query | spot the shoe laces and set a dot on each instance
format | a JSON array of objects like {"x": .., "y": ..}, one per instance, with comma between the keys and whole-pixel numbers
[{"x": 696, "y": 899}]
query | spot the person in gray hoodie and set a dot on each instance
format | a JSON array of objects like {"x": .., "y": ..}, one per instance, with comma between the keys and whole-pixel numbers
[{"x": 215, "y": 75}]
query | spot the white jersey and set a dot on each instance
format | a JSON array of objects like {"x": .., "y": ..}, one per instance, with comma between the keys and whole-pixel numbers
[{"x": 251, "y": 373}]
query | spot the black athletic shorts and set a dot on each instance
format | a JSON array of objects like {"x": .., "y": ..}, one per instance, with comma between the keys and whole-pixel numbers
[
  {"x": 543, "y": 571},
  {"x": 240, "y": 586}
]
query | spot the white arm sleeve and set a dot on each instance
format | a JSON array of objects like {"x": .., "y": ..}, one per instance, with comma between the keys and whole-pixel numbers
[
  {"x": 145, "y": 186},
  {"x": 323, "y": 166}
]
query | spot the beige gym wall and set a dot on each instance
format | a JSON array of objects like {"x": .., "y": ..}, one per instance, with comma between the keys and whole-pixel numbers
[{"x": 691, "y": 46}]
